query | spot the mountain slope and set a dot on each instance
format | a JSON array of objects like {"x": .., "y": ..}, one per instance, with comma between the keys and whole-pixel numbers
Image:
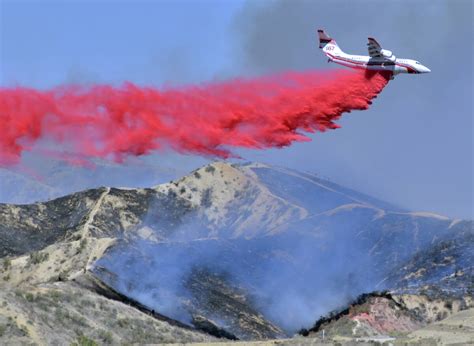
[
  {"x": 246, "y": 251},
  {"x": 382, "y": 316},
  {"x": 448, "y": 262}
]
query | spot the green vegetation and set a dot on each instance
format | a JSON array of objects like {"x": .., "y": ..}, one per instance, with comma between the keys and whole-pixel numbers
[
  {"x": 82, "y": 245},
  {"x": 210, "y": 169},
  {"x": 83, "y": 340},
  {"x": 37, "y": 257},
  {"x": 397, "y": 334},
  {"x": 87, "y": 303},
  {"x": 30, "y": 297},
  {"x": 343, "y": 327},
  {"x": 63, "y": 276},
  {"x": 24, "y": 330},
  {"x": 65, "y": 317},
  {"x": 67, "y": 311},
  {"x": 7, "y": 263},
  {"x": 123, "y": 322},
  {"x": 55, "y": 295},
  {"x": 3, "y": 329},
  {"x": 359, "y": 309},
  {"x": 13, "y": 328},
  {"x": 106, "y": 337}
]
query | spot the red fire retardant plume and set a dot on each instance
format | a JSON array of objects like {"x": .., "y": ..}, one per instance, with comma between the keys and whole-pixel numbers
[{"x": 78, "y": 123}]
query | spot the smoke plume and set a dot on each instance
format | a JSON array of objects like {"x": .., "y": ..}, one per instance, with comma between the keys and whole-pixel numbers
[{"x": 103, "y": 121}]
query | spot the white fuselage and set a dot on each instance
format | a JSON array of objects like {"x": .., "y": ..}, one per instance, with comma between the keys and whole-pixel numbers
[{"x": 393, "y": 65}]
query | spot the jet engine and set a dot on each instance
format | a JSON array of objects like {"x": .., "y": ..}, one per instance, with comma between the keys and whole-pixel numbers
[{"x": 387, "y": 54}]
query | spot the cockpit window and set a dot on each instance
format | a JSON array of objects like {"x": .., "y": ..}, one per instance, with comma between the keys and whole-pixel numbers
[{"x": 416, "y": 62}]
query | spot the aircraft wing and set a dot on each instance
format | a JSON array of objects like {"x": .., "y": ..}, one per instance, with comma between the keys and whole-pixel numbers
[{"x": 375, "y": 51}]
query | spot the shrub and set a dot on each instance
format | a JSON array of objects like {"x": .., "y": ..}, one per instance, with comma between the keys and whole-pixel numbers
[
  {"x": 3, "y": 329},
  {"x": 78, "y": 319},
  {"x": 106, "y": 337},
  {"x": 37, "y": 257},
  {"x": 83, "y": 340},
  {"x": 123, "y": 322},
  {"x": 210, "y": 169},
  {"x": 7, "y": 263},
  {"x": 206, "y": 198},
  {"x": 29, "y": 297},
  {"x": 441, "y": 316},
  {"x": 87, "y": 303},
  {"x": 61, "y": 315},
  {"x": 82, "y": 245},
  {"x": 359, "y": 309},
  {"x": 24, "y": 330},
  {"x": 43, "y": 304},
  {"x": 55, "y": 295},
  {"x": 63, "y": 276}
]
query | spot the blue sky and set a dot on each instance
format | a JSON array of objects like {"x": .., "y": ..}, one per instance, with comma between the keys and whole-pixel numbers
[
  {"x": 413, "y": 147},
  {"x": 46, "y": 43}
]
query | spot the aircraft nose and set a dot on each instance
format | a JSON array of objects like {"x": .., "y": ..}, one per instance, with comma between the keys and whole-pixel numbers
[{"x": 424, "y": 69}]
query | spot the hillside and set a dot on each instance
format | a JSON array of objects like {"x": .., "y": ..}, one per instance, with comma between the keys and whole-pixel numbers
[
  {"x": 235, "y": 251},
  {"x": 384, "y": 316}
]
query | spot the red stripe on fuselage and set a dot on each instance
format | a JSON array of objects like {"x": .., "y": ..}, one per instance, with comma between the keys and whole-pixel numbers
[{"x": 346, "y": 60}]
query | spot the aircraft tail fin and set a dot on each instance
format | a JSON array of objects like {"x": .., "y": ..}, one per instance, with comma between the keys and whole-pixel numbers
[{"x": 327, "y": 43}]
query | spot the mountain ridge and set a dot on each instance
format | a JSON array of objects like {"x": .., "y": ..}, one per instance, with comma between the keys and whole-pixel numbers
[{"x": 220, "y": 242}]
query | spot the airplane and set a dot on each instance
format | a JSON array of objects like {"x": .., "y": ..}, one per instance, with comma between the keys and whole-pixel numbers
[{"x": 378, "y": 60}]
